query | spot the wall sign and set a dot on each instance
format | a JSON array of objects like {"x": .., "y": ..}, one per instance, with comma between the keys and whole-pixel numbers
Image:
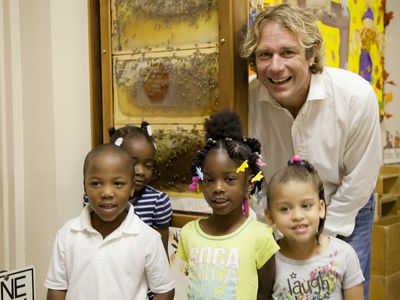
[{"x": 18, "y": 284}]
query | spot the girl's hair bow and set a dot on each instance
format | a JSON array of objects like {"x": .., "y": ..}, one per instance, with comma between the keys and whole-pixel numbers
[
  {"x": 295, "y": 160},
  {"x": 194, "y": 186}
]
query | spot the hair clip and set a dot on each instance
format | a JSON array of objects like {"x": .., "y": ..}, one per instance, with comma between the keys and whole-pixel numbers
[
  {"x": 111, "y": 131},
  {"x": 194, "y": 186},
  {"x": 258, "y": 177},
  {"x": 210, "y": 140},
  {"x": 118, "y": 142},
  {"x": 242, "y": 167},
  {"x": 199, "y": 173},
  {"x": 228, "y": 139},
  {"x": 149, "y": 130},
  {"x": 295, "y": 160},
  {"x": 260, "y": 163}
]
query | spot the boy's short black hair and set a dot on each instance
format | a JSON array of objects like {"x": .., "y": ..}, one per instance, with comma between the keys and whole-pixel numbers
[{"x": 107, "y": 148}]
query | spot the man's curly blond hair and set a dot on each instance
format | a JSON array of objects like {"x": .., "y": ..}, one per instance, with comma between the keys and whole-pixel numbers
[{"x": 300, "y": 21}]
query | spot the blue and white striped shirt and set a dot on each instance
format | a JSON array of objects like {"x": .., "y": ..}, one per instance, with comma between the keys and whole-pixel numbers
[{"x": 153, "y": 207}]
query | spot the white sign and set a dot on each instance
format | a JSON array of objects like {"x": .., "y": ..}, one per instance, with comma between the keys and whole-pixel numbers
[{"x": 18, "y": 284}]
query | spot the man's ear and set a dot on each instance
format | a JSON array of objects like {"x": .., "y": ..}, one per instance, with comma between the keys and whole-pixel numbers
[
  {"x": 268, "y": 217},
  {"x": 310, "y": 55}
]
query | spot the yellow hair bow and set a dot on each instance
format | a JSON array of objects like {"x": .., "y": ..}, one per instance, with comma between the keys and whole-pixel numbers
[
  {"x": 242, "y": 167},
  {"x": 258, "y": 177}
]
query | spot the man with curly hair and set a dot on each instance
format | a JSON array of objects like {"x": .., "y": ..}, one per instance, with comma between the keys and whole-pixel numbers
[{"x": 328, "y": 116}]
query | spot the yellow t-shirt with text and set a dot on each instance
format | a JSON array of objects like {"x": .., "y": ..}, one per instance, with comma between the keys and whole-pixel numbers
[{"x": 225, "y": 267}]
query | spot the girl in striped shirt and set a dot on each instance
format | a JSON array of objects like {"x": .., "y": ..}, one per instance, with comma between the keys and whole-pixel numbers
[{"x": 151, "y": 205}]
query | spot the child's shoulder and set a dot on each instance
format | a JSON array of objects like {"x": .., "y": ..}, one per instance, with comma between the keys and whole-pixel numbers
[
  {"x": 259, "y": 226},
  {"x": 144, "y": 229},
  {"x": 191, "y": 225},
  {"x": 135, "y": 224},
  {"x": 341, "y": 245},
  {"x": 135, "y": 228},
  {"x": 78, "y": 223},
  {"x": 259, "y": 231},
  {"x": 150, "y": 191},
  {"x": 74, "y": 223}
]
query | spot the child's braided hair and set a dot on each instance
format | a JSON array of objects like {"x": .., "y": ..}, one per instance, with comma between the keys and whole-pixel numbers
[
  {"x": 132, "y": 131},
  {"x": 224, "y": 132}
]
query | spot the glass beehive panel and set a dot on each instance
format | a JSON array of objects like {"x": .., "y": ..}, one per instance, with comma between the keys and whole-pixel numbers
[
  {"x": 166, "y": 86},
  {"x": 150, "y": 24},
  {"x": 175, "y": 149},
  {"x": 165, "y": 65}
]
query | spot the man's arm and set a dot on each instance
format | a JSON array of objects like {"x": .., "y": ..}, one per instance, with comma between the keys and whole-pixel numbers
[
  {"x": 56, "y": 294},
  {"x": 362, "y": 160}
]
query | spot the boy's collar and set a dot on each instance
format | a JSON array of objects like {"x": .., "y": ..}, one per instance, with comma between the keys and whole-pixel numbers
[{"x": 128, "y": 226}]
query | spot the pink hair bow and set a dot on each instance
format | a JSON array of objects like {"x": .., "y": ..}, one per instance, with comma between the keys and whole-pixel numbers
[{"x": 194, "y": 186}]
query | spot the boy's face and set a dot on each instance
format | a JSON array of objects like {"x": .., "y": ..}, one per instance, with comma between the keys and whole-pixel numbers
[
  {"x": 109, "y": 185},
  {"x": 142, "y": 152}
]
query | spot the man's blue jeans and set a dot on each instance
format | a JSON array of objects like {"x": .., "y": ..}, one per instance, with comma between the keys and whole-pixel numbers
[{"x": 360, "y": 240}]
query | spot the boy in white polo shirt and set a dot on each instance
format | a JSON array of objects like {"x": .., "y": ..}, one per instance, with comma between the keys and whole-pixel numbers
[{"x": 108, "y": 252}]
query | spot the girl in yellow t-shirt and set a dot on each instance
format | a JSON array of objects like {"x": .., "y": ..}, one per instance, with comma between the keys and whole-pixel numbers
[{"x": 229, "y": 255}]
